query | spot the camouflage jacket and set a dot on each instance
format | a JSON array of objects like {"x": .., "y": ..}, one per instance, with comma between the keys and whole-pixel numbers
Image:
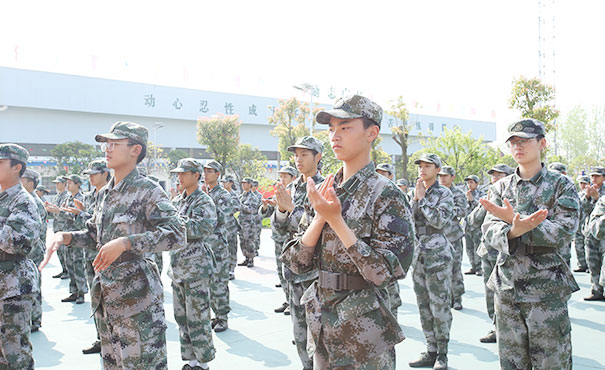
[
  {"x": 472, "y": 205},
  {"x": 533, "y": 277},
  {"x": 596, "y": 223},
  {"x": 198, "y": 213},
  {"x": 278, "y": 234},
  {"x": 453, "y": 230},
  {"x": 587, "y": 204},
  {"x": 19, "y": 226},
  {"x": 356, "y": 324},
  {"x": 139, "y": 209},
  {"x": 89, "y": 199},
  {"x": 249, "y": 204},
  {"x": 39, "y": 246},
  {"x": 259, "y": 217},
  {"x": 70, "y": 223},
  {"x": 431, "y": 217},
  {"x": 475, "y": 220},
  {"x": 60, "y": 219},
  {"x": 223, "y": 205},
  {"x": 230, "y": 221}
]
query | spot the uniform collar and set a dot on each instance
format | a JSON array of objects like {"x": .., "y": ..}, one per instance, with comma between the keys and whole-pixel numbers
[
  {"x": 125, "y": 181},
  {"x": 535, "y": 179},
  {"x": 353, "y": 183},
  {"x": 13, "y": 189}
]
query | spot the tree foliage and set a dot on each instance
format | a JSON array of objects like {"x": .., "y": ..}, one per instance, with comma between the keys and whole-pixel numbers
[
  {"x": 534, "y": 99},
  {"x": 220, "y": 135},
  {"x": 248, "y": 162},
  {"x": 289, "y": 121},
  {"x": 74, "y": 156},
  {"x": 174, "y": 156},
  {"x": 400, "y": 131}
]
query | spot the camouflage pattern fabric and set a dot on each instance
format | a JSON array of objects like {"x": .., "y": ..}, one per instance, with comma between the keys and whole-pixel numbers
[
  {"x": 75, "y": 256},
  {"x": 596, "y": 230},
  {"x": 280, "y": 236},
  {"x": 248, "y": 221},
  {"x": 16, "y": 349},
  {"x": 472, "y": 235},
  {"x": 579, "y": 237},
  {"x": 394, "y": 297},
  {"x": 130, "y": 309},
  {"x": 531, "y": 290},
  {"x": 259, "y": 224},
  {"x": 454, "y": 233},
  {"x": 233, "y": 227},
  {"x": 594, "y": 248},
  {"x": 37, "y": 255},
  {"x": 59, "y": 225},
  {"x": 432, "y": 264},
  {"x": 298, "y": 314},
  {"x": 356, "y": 326}
]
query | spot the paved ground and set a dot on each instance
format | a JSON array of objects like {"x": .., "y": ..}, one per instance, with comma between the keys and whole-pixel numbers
[{"x": 258, "y": 338}]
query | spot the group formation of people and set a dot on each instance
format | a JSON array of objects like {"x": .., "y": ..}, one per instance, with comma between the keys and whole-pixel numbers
[{"x": 342, "y": 242}]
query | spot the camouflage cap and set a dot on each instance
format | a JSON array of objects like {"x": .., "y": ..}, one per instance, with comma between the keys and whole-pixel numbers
[
  {"x": 429, "y": 158},
  {"x": 583, "y": 178},
  {"x": 352, "y": 106},
  {"x": 558, "y": 167},
  {"x": 228, "y": 178},
  {"x": 527, "y": 128},
  {"x": 32, "y": 175},
  {"x": 447, "y": 170},
  {"x": 500, "y": 167},
  {"x": 386, "y": 167},
  {"x": 187, "y": 165},
  {"x": 75, "y": 178},
  {"x": 289, "y": 170},
  {"x": 307, "y": 142},
  {"x": 96, "y": 166},
  {"x": 402, "y": 182},
  {"x": 60, "y": 179},
  {"x": 475, "y": 178},
  {"x": 247, "y": 179},
  {"x": 214, "y": 165},
  {"x": 42, "y": 188},
  {"x": 14, "y": 151},
  {"x": 597, "y": 171},
  {"x": 125, "y": 130},
  {"x": 254, "y": 183}
]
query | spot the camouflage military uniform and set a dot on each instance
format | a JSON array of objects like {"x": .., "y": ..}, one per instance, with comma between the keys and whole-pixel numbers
[
  {"x": 594, "y": 253},
  {"x": 59, "y": 222},
  {"x": 75, "y": 256},
  {"x": 279, "y": 235},
  {"x": 579, "y": 237},
  {"x": 232, "y": 226},
  {"x": 596, "y": 229},
  {"x": 355, "y": 327},
  {"x": 259, "y": 222},
  {"x": 531, "y": 281},
  {"x": 248, "y": 221},
  {"x": 127, "y": 297},
  {"x": 472, "y": 235},
  {"x": 191, "y": 271},
  {"x": 19, "y": 226},
  {"x": 432, "y": 264}
]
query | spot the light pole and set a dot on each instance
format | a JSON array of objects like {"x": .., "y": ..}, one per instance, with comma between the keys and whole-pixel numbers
[{"x": 311, "y": 90}]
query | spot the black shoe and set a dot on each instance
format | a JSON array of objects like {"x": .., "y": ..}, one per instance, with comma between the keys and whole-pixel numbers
[
  {"x": 34, "y": 329},
  {"x": 59, "y": 275},
  {"x": 243, "y": 263},
  {"x": 80, "y": 299},
  {"x": 287, "y": 311},
  {"x": 426, "y": 359},
  {"x": 65, "y": 276},
  {"x": 71, "y": 298},
  {"x": 231, "y": 276},
  {"x": 489, "y": 338},
  {"x": 278, "y": 285},
  {"x": 186, "y": 367},
  {"x": 250, "y": 263},
  {"x": 594, "y": 297},
  {"x": 457, "y": 306},
  {"x": 440, "y": 363},
  {"x": 281, "y": 308},
  {"x": 95, "y": 348},
  {"x": 579, "y": 269},
  {"x": 470, "y": 272},
  {"x": 221, "y": 326},
  {"x": 213, "y": 322}
]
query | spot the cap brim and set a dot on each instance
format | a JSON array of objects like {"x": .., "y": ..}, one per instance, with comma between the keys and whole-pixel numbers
[
  {"x": 178, "y": 170},
  {"x": 92, "y": 172},
  {"x": 292, "y": 148},
  {"x": 470, "y": 178},
  {"x": 524, "y": 135},
  {"x": 595, "y": 173},
  {"x": 101, "y": 138},
  {"x": 417, "y": 161},
  {"x": 323, "y": 117}
]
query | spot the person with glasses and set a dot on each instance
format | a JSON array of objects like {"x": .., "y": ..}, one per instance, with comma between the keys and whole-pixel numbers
[
  {"x": 532, "y": 215},
  {"x": 134, "y": 216}
]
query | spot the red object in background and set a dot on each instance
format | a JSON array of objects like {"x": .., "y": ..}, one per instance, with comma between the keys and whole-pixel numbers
[{"x": 267, "y": 193}]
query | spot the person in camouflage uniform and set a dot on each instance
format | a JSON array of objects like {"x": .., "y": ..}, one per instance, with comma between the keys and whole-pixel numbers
[
  {"x": 280, "y": 235},
  {"x": 291, "y": 206},
  {"x": 455, "y": 233},
  {"x": 594, "y": 248},
  {"x": 562, "y": 169},
  {"x": 583, "y": 183},
  {"x": 75, "y": 256},
  {"x": 219, "y": 284},
  {"x": 30, "y": 181},
  {"x": 54, "y": 207},
  {"x": 19, "y": 228},
  {"x": 487, "y": 254},
  {"x": 231, "y": 223},
  {"x": 41, "y": 191},
  {"x": 596, "y": 229},
  {"x": 433, "y": 208},
  {"x": 134, "y": 216},
  {"x": 403, "y": 185},
  {"x": 248, "y": 221},
  {"x": 259, "y": 217},
  {"x": 157, "y": 257},
  {"x": 532, "y": 214},
  {"x": 193, "y": 267},
  {"x": 472, "y": 235},
  {"x": 360, "y": 239},
  {"x": 387, "y": 170}
]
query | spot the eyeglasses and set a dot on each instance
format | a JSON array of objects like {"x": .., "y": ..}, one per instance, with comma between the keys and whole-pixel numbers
[
  {"x": 520, "y": 142},
  {"x": 109, "y": 146}
]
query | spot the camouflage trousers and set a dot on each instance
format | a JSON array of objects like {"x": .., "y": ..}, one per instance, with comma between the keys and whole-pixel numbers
[
  {"x": 76, "y": 270},
  {"x": 219, "y": 287},
  {"x": 487, "y": 266},
  {"x": 472, "y": 239},
  {"x": 299, "y": 321},
  {"x": 37, "y": 304},
  {"x": 134, "y": 342},
  {"x": 89, "y": 256},
  {"x": 232, "y": 246},
  {"x": 457, "y": 277},
  {"x": 533, "y": 334},
  {"x": 394, "y": 297},
  {"x": 62, "y": 254},
  {"x": 433, "y": 294},
  {"x": 247, "y": 241},
  {"x": 192, "y": 313},
  {"x": 15, "y": 348},
  {"x": 258, "y": 230},
  {"x": 280, "y": 269},
  {"x": 384, "y": 361},
  {"x": 580, "y": 252},
  {"x": 595, "y": 254}
]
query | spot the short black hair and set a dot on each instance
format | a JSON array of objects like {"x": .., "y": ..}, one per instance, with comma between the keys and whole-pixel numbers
[
  {"x": 539, "y": 137},
  {"x": 15, "y": 162},
  {"x": 367, "y": 123},
  {"x": 108, "y": 176},
  {"x": 143, "y": 149}
]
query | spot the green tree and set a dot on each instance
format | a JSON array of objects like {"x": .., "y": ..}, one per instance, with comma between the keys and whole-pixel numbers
[
  {"x": 377, "y": 154},
  {"x": 220, "y": 135},
  {"x": 534, "y": 99},
  {"x": 74, "y": 156},
  {"x": 596, "y": 133},
  {"x": 400, "y": 130},
  {"x": 574, "y": 138},
  {"x": 289, "y": 121},
  {"x": 329, "y": 162},
  {"x": 174, "y": 156},
  {"x": 248, "y": 162}
]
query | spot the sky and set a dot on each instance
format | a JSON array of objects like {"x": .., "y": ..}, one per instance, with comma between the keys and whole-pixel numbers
[{"x": 449, "y": 58}]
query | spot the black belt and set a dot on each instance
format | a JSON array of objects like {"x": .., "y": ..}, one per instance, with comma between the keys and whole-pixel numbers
[
  {"x": 10, "y": 257},
  {"x": 427, "y": 230},
  {"x": 339, "y": 282},
  {"x": 531, "y": 250},
  {"x": 128, "y": 256}
]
